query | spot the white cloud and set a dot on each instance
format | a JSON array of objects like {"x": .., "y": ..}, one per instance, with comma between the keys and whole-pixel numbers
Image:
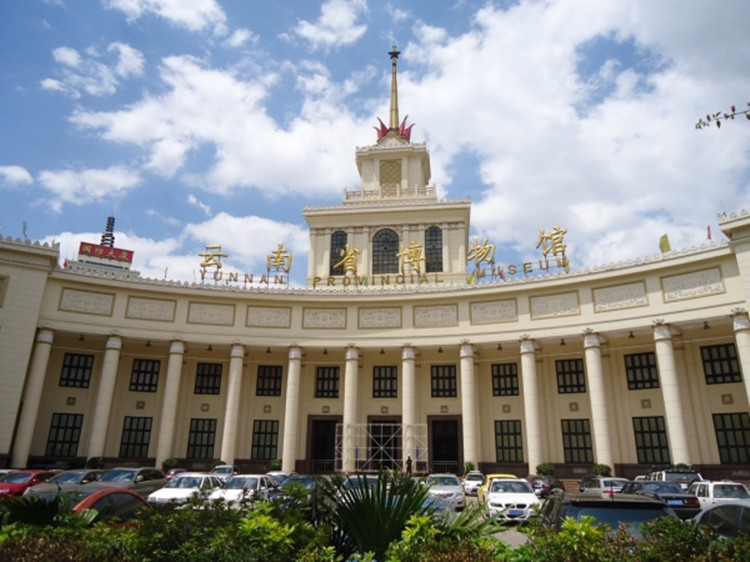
[
  {"x": 67, "y": 56},
  {"x": 85, "y": 186},
  {"x": 240, "y": 37},
  {"x": 14, "y": 175},
  {"x": 193, "y": 200},
  {"x": 337, "y": 24},
  {"x": 130, "y": 61},
  {"x": 194, "y": 15}
]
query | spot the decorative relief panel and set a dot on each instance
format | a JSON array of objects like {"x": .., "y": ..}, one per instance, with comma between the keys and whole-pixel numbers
[
  {"x": 494, "y": 311},
  {"x": 379, "y": 318},
  {"x": 268, "y": 317},
  {"x": 689, "y": 285},
  {"x": 87, "y": 302},
  {"x": 327, "y": 318},
  {"x": 555, "y": 305},
  {"x": 430, "y": 316},
  {"x": 216, "y": 314},
  {"x": 151, "y": 309},
  {"x": 621, "y": 296}
]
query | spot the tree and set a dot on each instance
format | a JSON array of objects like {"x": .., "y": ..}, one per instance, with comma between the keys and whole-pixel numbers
[{"x": 721, "y": 116}]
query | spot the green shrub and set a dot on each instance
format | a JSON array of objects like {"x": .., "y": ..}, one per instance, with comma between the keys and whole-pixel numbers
[
  {"x": 545, "y": 469},
  {"x": 166, "y": 464},
  {"x": 602, "y": 470}
]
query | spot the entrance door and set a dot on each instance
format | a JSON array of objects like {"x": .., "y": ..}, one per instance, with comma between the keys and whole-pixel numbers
[
  {"x": 445, "y": 445},
  {"x": 322, "y": 442}
]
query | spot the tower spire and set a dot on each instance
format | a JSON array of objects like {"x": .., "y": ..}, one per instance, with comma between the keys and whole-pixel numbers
[{"x": 394, "y": 122}]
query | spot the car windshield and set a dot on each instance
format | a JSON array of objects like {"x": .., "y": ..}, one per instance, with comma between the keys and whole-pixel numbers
[
  {"x": 614, "y": 483},
  {"x": 223, "y": 470},
  {"x": 19, "y": 478},
  {"x": 184, "y": 482},
  {"x": 354, "y": 481},
  {"x": 477, "y": 477},
  {"x": 733, "y": 491},
  {"x": 292, "y": 481},
  {"x": 67, "y": 478},
  {"x": 612, "y": 516},
  {"x": 119, "y": 475},
  {"x": 662, "y": 487},
  {"x": 505, "y": 487},
  {"x": 443, "y": 480},
  {"x": 681, "y": 477},
  {"x": 241, "y": 483}
]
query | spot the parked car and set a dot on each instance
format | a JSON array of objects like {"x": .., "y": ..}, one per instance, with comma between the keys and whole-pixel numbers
[
  {"x": 225, "y": 471},
  {"x": 278, "y": 476},
  {"x": 710, "y": 493},
  {"x": 185, "y": 486},
  {"x": 244, "y": 487},
  {"x": 18, "y": 481},
  {"x": 684, "y": 477},
  {"x": 65, "y": 481},
  {"x": 511, "y": 499},
  {"x": 172, "y": 472},
  {"x": 586, "y": 481},
  {"x": 471, "y": 482},
  {"x": 488, "y": 478},
  {"x": 121, "y": 504},
  {"x": 606, "y": 486},
  {"x": 544, "y": 484},
  {"x": 296, "y": 492},
  {"x": 684, "y": 505},
  {"x": 143, "y": 480},
  {"x": 629, "y": 510},
  {"x": 447, "y": 487},
  {"x": 729, "y": 519}
]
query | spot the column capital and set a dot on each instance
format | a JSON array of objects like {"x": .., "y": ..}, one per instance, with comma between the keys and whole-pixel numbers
[
  {"x": 527, "y": 344},
  {"x": 114, "y": 342},
  {"x": 590, "y": 339},
  {"x": 45, "y": 335},
  {"x": 238, "y": 350},
  {"x": 408, "y": 353},
  {"x": 740, "y": 320},
  {"x": 351, "y": 354},
  {"x": 661, "y": 331},
  {"x": 295, "y": 352},
  {"x": 177, "y": 347},
  {"x": 466, "y": 350}
]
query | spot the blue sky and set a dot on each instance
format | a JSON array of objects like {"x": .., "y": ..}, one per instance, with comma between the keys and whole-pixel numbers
[{"x": 216, "y": 121}]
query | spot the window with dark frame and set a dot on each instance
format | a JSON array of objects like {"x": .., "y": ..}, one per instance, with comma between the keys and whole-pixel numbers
[
  {"x": 145, "y": 375},
  {"x": 577, "y": 444},
  {"x": 720, "y": 364},
  {"x": 136, "y": 437},
  {"x": 641, "y": 370},
  {"x": 338, "y": 245},
  {"x": 208, "y": 378},
  {"x": 505, "y": 379},
  {"x": 76, "y": 370},
  {"x": 444, "y": 381},
  {"x": 265, "y": 439},
  {"x": 201, "y": 438},
  {"x": 385, "y": 381},
  {"x": 269, "y": 380},
  {"x": 327, "y": 382},
  {"x": 733, "y": 437},
  {"x": 385, "y": 252},
  {"x": 433, "y": 249},
  {"x": 64, "y": 434},
  {"x": 571, "y": 378},
  {"x": 651, "y": 444},
  {"x": 508, "y": 441}
]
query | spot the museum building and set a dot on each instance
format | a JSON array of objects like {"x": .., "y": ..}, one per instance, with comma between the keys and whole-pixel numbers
[{"x": 397, "y": 347}]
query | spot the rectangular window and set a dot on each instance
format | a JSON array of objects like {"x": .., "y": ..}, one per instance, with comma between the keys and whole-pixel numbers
[
  {"x": 327, "y": 382},
  {"x": 269, "y": 380},
  {"x": 265, "y": 439},
  {"x": 136, "y": 436},
  {"x": 145, "y": 375},
  {"x": 577, "y": 446},
  {"x": 651, "y": 443},
  {"x": 508, "y": 441},
  {"x": 208, "y": 378},
  {"x": 76, "y": 370},
  {"x": 64, "y": 433},
  {"x": 641, "y": 370},
  {"x": 444, "y": 381},
  {"x": 201, "y": 438},
  {"x": 733, "y": 437},
  {"x": 570, "y": 376},
  {"x": 505, "y": 379},
  {"x": 720, "y": 364},
  {"x": 385, "y": 382}
]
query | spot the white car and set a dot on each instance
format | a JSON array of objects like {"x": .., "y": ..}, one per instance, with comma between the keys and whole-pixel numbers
[
  {"x": 512, "y": 499},
  {"x": 712, "y": 493},
  {"x": 183, "y": 486},
  {"x": 447, "y": 487},
  {"x": 244, "y": 488},
  {"x": 472, "y": 481}
]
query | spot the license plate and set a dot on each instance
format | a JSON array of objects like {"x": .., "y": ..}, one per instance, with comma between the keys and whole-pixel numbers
[
  {"x": 674, "y": 502},
  {"x": 515, "y": 512}
]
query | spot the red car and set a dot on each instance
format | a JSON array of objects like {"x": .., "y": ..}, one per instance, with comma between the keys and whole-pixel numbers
[
  {"x": 121, "y": 504},
  {"x": 18, "y": 481}
]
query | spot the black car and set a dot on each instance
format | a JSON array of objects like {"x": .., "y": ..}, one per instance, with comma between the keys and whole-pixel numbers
[
  {"x": 684, "y": 505},
  {"x": 626, "y": 509},
  {"x": 543, "y": 485}
]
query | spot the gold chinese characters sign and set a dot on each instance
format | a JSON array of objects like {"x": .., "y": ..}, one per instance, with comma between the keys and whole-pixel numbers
[{"x": 279, "y": 261}]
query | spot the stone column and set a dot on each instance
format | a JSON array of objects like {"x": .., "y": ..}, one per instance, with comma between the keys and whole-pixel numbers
[
  {"x": 291, "y": 412},
  {"x": 531, "y": 411},
  {"x": 232, "y": 412},
  {"x": 104, "y": 397},
  {"x": 670, "y": 389},
  {"x": 409, "y": 404},
  {"x": 741, "y": 325},
  {"x": 165, "y": 445},
  {"x": 350, "y": 443},
  {"x": 598, "y": 399},
  {"x": 468, "y": 405},
  {"x": 32, "y": 397}
]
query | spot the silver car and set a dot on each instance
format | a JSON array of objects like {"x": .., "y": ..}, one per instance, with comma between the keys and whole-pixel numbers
[{"x": 447, "y": 487}]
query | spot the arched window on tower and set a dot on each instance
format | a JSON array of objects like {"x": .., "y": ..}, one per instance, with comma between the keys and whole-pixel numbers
[
  {"x": 385, "y": 252},
  {"x": 433, "y": 249},
  {"x": 338, "y": 244}
]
